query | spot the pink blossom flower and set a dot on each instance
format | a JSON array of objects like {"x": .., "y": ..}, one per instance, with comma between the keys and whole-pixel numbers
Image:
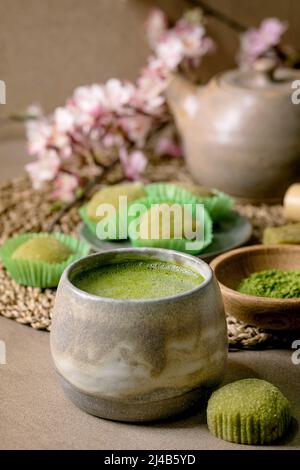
[
  {"x": 257, "y": 42},
  {"x": 62, "y": 123},
  {"x": 63, "y": 120},
  {"x": 43, "y": 134},
  {"x": 149, "y": 95},
  {"x": 191, "y": 36},
  {"x": 61, "y": 142},
  {"x": 133, "y": 163},
  {"x": 187, "y": 40},
  {"x": 38, "y": 135},
  {"x": 136, "y": 127},
  {"x": 44, "y": 169},
  {"x": 117, "y": 94},
  {"x": 86, "y": 105},
  {"x": 154, "y": 67},
  {"x": 112, "y": 139},
  {"x": 65, "y": 185},
  {"x": 167, "y": 146},
  {"x": 89, "y": 99},
  {"x": 156, "y": 26},
  {"x": 272, "y": 29},
  {"x": 170, "y": 50},
  {"x": 108, "y": 140}
]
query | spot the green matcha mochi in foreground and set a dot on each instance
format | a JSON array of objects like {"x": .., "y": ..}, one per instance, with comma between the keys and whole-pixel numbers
[
  {"x": 249, "y": 411},
  {"x": 138, "y": 280},
  {"x": 47, "y": 249}
]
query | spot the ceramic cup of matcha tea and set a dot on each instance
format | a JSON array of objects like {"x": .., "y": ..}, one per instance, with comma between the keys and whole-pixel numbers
[{"x": 138, "y": 334}]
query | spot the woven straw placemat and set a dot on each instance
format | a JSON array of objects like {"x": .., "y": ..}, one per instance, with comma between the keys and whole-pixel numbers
[{"x": 23, "y": 209}]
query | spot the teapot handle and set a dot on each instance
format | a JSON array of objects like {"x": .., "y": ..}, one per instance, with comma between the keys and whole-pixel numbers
[{"x": 265, "y": 69}]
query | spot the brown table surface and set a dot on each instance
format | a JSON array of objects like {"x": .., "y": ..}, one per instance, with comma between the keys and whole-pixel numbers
[{"x": 34, "y": 414}]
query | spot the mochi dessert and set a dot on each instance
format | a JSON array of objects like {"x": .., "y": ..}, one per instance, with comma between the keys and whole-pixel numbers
[
  {"x": 47, "y": 249},
  {"x": 249, "y": 411},
  {"x": 111, "y": 195}
]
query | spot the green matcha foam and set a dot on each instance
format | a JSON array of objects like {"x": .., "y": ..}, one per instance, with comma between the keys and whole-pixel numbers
[{"x": 134, "y": 280}]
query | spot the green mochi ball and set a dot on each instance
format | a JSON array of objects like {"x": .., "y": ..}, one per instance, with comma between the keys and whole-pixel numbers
[
  {"x": 162, "y": 217},
  {"x": 47, "y": 249},
  {"x": 249, "y": 411},
  {"x": 111, "y": 194}
]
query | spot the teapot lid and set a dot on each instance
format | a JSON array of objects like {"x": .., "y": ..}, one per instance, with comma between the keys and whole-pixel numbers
[{"x": 265, "y": 76}]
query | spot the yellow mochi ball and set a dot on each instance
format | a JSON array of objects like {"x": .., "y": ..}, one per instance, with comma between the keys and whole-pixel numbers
[
  {"x": 47, "y": 249},
  {"x": 167, "y": 220},
  {"x": 111, "y": 194}
]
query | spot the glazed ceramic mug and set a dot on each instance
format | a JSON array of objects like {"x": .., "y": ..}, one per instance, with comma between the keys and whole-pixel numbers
[{"x": 138, "y": 360}]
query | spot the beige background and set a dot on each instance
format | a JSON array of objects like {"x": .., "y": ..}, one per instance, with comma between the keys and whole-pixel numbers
[
  {"x": 48, "y": 47},
  {"x": 36, "y": 415}
]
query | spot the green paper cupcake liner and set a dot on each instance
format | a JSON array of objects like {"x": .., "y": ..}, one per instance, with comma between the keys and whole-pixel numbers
[
  {"x": 39, "y": 273},
  {"x": 92, "y": 226},
  {"x": 170, "y": 192},
  {"x": 116, "y": 220},
  {"x": 174, "y": 244},
  {"x": 250, "y": 430},
  {"x": 218, "y": 205}
]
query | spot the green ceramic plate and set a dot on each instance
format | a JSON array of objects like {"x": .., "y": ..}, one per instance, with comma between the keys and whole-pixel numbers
[{"x": 231, "y": 232}]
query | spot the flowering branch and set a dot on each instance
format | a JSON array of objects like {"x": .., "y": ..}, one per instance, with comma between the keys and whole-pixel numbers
[
  {"x": 218, "y": 15},
  {"x": 117, "y": 120},
  {"x": 259, "y": 42},
  {"x": 125, "y": 122}
]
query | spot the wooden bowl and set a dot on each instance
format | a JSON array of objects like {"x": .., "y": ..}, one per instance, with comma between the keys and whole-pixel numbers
[{"x": 265, "y": 312}]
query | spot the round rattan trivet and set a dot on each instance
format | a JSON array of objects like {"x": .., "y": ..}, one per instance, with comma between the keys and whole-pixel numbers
[{"x": 23, "y": 209}]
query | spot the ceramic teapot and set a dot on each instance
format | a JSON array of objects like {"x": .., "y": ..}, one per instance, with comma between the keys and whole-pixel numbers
[{"x": 241, "y": 132}]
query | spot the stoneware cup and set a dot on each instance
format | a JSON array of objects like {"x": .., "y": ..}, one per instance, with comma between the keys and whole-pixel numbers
[{"x": 138, "y": 360}]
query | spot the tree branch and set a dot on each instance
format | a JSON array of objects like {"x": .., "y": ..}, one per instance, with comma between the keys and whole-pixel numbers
[{"x": 218, "y": 15}]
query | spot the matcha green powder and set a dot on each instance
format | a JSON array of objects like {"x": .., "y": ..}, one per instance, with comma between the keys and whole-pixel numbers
[{"x": 274, "y": 283}]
